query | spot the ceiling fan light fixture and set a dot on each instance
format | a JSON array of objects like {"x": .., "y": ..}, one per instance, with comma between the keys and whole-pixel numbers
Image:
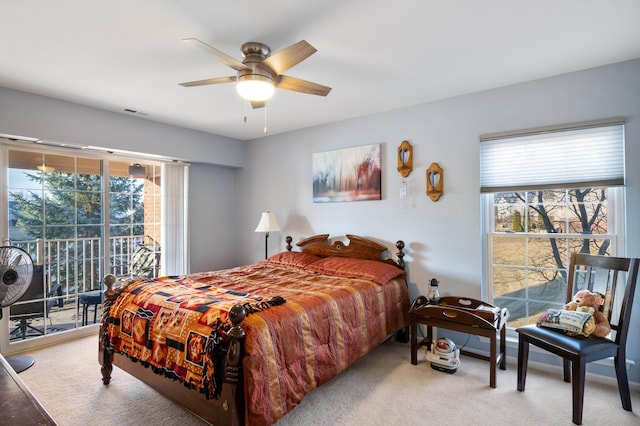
[{"x": 255, "y": 87}]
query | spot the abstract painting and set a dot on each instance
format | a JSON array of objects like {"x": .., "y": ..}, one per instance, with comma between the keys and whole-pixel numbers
[{"x": 350, "y": 174}]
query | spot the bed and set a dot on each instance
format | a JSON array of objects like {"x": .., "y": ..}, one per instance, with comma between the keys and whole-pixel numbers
[{"x": 246, "y": 344}]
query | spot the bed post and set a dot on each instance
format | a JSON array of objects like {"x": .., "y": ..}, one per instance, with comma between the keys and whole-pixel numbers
[
  {"x": 105, "y": 352},
  {"x": 232, "y": 395},
  {"x": 402, "y": 335},
  {"x": 107, "y": 366},
  {"x": 400, "y": 253}
]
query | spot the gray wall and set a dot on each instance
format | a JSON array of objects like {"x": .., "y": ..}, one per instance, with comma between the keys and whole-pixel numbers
[
  {"x": 25, "y": 114},
  {"x": 443, "y": 238},
  {"x": 212, "y": 218},
  {"x": 212, "y": 176}
]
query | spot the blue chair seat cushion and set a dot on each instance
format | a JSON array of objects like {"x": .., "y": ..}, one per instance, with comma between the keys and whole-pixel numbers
[{"x": 93, "y": 297}]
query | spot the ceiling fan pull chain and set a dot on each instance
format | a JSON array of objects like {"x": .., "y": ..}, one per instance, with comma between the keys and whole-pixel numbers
[{"x": 265, "y": 117}]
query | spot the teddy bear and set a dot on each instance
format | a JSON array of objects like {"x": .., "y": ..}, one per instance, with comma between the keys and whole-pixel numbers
[{"x": 586, "y": 301}]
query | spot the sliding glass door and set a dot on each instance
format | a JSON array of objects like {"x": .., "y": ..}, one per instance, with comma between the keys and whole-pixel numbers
[{"x": 78, "y": 217}]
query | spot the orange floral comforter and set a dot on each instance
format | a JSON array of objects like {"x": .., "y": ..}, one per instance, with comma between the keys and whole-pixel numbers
[{"x": 327, "y": 323}]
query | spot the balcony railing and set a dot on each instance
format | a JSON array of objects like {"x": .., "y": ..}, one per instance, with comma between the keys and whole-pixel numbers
[{"x": 78, "y": 264}]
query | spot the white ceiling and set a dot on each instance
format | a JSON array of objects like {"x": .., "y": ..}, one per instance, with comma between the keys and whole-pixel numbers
[{"x": 377, "y": 55}]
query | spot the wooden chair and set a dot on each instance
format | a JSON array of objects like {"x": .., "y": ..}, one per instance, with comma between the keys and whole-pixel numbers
[{"x": 597, "y": 274}]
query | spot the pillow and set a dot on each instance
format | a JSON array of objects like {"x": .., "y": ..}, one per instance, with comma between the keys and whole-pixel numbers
[
  {"x": 372, "y": 270},
  {"x": 571, "y": 321},
  {"x": 292, "y": 258}
]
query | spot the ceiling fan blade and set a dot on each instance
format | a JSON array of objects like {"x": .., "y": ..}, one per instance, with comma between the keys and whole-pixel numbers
[
  {"x": 299, "y": 85},
  {"x": 220, "y": 55},
  {"x": 258, "y": 104},
  {"x": 286, "y": 58},
  {"x": 208, "y": 81}
]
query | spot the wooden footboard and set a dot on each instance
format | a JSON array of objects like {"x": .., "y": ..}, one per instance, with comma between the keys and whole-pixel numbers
[{"x": 229, "y": 408}]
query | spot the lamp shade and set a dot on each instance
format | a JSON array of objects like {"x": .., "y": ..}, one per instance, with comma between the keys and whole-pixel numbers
[{"x": 268, "y": 223}]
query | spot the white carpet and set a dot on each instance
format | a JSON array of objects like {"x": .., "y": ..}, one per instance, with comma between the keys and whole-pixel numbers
[{"x": 382, "y": 388}]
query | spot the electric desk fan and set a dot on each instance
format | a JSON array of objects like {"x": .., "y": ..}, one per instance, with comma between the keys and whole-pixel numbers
[{"x": 16, "y": 272}]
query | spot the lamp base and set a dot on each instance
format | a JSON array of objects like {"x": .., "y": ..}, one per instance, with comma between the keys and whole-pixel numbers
[{"x": 19, "y": 363}]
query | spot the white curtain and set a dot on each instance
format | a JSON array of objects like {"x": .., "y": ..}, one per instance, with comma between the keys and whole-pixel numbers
[
  {"x": 175, "y": 225},
  {"x": 4, "y": 222}
]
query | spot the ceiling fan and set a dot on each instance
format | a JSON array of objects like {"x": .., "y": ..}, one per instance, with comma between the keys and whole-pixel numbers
[{"x": 260, "y": 72}]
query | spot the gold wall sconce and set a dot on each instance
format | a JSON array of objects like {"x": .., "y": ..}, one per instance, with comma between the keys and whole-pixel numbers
[
  {"x": 434, "y": 181},
  {"x": 405, "y": 158}
]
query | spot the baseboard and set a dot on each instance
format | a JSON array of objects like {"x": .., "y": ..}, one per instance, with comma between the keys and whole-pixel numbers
[
  {"x": 24, "y": 346},
  {"x": 557, "y": 369}
]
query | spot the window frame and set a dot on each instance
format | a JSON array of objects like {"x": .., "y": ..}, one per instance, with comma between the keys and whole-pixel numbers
[
  {"x": 45, "y": 149},
  {"x": 616, "y": 226},
  {"x": 615, "y": 232}
]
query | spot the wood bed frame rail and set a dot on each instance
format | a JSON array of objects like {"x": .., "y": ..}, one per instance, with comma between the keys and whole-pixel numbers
[{"x": 229, "y": 408}]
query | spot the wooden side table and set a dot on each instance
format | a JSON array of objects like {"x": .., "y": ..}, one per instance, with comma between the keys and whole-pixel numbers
[{"x": 466, "y": 316}]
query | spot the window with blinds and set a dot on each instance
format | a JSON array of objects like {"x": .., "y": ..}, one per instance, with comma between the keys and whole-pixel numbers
[
  {"x": 547, "y": 193},
  {"x": 573, "y": 156}
]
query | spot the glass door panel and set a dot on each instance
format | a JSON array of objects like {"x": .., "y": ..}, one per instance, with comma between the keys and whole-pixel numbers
[
  {"x": 134, "y": 211},
  {"x": 56, "y": 214},
  {"x": 57, "y": 211}
]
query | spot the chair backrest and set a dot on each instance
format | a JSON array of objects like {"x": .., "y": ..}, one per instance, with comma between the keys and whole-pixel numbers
[
  {"x": 145, "y": 261},
  {"x": 613, "y": 277}
]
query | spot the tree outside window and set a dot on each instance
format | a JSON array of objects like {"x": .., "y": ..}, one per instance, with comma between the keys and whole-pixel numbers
[{"x": 533, "y": 234}]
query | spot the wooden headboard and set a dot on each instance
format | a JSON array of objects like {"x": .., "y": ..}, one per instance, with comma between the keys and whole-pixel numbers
[{"x": 358, "y": 248}]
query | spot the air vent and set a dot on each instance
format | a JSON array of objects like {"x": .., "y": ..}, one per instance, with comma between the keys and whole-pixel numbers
[{"x": 134, "y": 111}]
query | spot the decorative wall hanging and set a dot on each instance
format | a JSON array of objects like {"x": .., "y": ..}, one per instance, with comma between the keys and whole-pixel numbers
[
  {"x": 434, "y": 181},
  {"x": 351, "y": 174},
  {"x": 405, "y": 166},
  {"x": 405, "y": 193},
  {"x": 405, "y": 158}
]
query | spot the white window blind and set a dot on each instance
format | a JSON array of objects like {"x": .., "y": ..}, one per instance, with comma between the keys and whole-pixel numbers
[
  {"x": 174, "y": 257},
  {"x": 571, "y": 156}
]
